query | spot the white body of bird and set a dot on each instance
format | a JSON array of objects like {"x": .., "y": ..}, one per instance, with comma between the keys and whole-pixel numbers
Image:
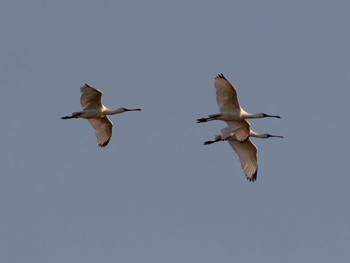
[
  {"x": 247, "y": 151},
  {"x": 96, "y": 113},
  {"x": 230, "y": 109}
]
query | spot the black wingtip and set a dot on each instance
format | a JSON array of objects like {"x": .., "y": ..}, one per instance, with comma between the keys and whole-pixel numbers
[
  {"x": 253, "y": 177},
  {"x": 220, "y": 76},
  {"x": 102, "y": 145}
]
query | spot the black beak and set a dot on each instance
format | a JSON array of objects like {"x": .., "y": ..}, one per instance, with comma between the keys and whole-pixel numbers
[{"x": 132, "y": 109}]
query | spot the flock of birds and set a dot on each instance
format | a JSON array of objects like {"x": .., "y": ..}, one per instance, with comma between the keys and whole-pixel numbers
[{"x": 237, "y": 133}]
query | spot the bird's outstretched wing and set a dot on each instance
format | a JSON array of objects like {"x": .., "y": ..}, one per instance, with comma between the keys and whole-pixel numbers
[
  {"x": 248, "y": 156},
  {"x": 91, "y": 98},
  {"x": 226, "y": 95},
  {"x": 103, "y": 129},
  {"x": 241, "y": 129}
]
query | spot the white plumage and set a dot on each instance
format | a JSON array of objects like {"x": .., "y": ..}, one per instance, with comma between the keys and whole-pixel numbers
[
  {"x": 230, "y": 109},
  {"x": 96, "y": 113},
  {"x": 238, "y": 131},
  {"x": 247, "y": 151}
]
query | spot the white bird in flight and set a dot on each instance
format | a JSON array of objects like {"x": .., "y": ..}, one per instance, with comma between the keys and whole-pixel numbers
[
  {"x": 246, "y": 151},
  {"x": 96, "y": 113},
  {"x": 230, "y": 109}
]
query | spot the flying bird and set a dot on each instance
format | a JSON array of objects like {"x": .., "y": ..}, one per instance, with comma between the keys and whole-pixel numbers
[
  {"x": 230, "y": 109},
  {"x": 96, "y": 113},
  {"x": 246, "y": 151}
]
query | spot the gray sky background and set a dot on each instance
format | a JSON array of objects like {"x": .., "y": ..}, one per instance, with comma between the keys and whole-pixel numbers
[{"x": 156, "y": 194}]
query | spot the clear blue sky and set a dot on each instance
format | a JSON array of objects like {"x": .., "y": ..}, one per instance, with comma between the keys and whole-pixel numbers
[{"x": 155, "y": 193}]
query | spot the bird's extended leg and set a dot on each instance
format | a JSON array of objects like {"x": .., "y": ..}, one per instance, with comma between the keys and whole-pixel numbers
[
  {"x": 202, "y": 120},
  {"x": 210, "y": 118},
  {"x": 73, "y": 116},
  {"x": 217, "y": 139}
]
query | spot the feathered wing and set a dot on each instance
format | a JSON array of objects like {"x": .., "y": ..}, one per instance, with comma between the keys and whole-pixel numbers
[
  {"x": 226, "y": 133},
  {"x": 248, "y": 156},
  {"x": 241, "y": 129},
  {"x": 226, "y": 95},
  {"x": 103, "y": 129},
  {"x": 91, "y": 98}
]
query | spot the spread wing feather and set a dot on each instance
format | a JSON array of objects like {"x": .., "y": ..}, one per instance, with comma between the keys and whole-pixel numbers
[
  {"x": 248, "y": 156},
  {"x": 241, "y": 129},
  {"x": 91, "y": 98},
  {"x": 226, "y": 95},
  {"x": 103, "y": 129}
]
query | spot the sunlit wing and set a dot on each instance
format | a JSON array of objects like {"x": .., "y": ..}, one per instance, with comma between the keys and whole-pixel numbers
[
  {"x": 241, "y": 129},
  {"x": 226, "y": 95},
  {"x": 91, "y": 98},
  {"x": 103, "y": 130},
  {"x": 248, "y": 156}
]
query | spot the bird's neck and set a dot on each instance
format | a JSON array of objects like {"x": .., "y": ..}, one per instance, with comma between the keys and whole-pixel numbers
[
  {"x": 247, "y": 115},
  {"x": 257, "y": 135},
  {"x": 112, "y": 112}
]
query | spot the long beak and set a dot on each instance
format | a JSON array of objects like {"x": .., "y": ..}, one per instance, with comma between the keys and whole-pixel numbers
[
  {"x": 278, "y": 136},
  {"x": 273, "y": 116},
  {"x": 132, "y": 109}
]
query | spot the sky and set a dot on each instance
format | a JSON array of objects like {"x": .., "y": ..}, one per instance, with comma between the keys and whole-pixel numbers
[{"x": 156, "y": 193}]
